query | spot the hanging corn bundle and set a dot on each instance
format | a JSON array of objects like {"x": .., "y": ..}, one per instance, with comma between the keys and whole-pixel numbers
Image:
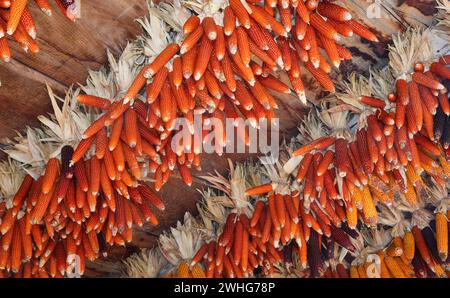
[
  {"x": 16, "y": 21},
  {"x": 180, "y": 246},
  {"x": 403, "y": 245},
  {"x": 373, "y": 155},
  {"x": 208, "y": 68},
  {"x": 72, "y": 210}
]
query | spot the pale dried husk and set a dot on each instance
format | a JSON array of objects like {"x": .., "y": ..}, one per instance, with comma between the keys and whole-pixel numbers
[
  {"x": 181, "y": 243},
  {"x": 146, "y": 264}
]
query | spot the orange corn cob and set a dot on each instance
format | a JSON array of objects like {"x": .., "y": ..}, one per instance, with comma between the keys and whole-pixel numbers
[
  {"x": 118, "y": 156},
  {"x": 270, "y": 82},
  {"x": 95, "y": 127},
  {"x": 23, "y": 190},
  {"x": 322, "y": 26},
  {"x": 191, "y": 40},
  {"x": 131, "y": 130},
  {"x": 362, "y": 31},
  {"x": 210, "y": 28},
  {"x": 185, "y": 174},
  {"x": 16, "y": 11},
  {"x": 28, "y": 23},
  {"x": 81, "y": 150},
  {"x": 94, "y": 101},
  {"x": 393, "y": 267},
  {"x": 243, "y": 46},
  {"x": 101, "y": 143},
  {"x": 237, "y": 243},
  {"x": 44, "y": 6},
  {"x": 261, "y": 54},
  {"x": 94, "y": 167},
  {"x": 440, "y": 70},
  {"x": 408, "y": 245},
  {"x": 50, "y": 175},
  {"x": 177, "y": 72},
  {"x": 191, "y": 24},
  {"x": 311, "y": 42},
  {"x": 442, "y": 235},
  {"x": 285, "y": 17},
  {"x": 161, "y": 59},
  {"x": 202, "y": 58},
  {"x": 275, "y": 26},
  {"x": 5, "y": 3},
  {"x": 321, "y": 77},
  {"x": 16, "y": 250},
  {"x": 370, "y": 213},
  {"x": 325, "y": 163},
  {"x": 132, "y": 91},
  {"x": 41, "y": 207},
  {"x": 220, "y": 44},
  {"x": 427, "y": 81},
  {"x": 229, "y": 21},
  {"x": 421, "y": 244},
  {"x": 166, "y": 102},
  {"x": 212, "y": 85},
  {"x": 285, "y": 53},
  {"x": 331, "y": 50},
  {"x": 334, "y": 12},
  {"x": 303, "y": 12},
  {"x": 260, "y": 189},
  {"x": 241, "y": 13},
  {"x": 343, "y": 28},
  {"x": 155, "y": 87},
  {"x": 5, "y": 52}
]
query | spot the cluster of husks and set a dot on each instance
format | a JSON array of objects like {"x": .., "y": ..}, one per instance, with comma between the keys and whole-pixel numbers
[
  {"x": 17, "y": 22},
  {"x": 278, "y": 228},
  {"x": 73, "y": 211},
  {"x": 221, "y": 72},
  {"x": 94, "y": 194},
  {"x": 340, "y": 182}
]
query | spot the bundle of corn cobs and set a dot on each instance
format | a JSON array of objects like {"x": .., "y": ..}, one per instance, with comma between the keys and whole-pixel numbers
[
  {"x": 16, "y": 22},
  {"x": 360, "y": 183}
]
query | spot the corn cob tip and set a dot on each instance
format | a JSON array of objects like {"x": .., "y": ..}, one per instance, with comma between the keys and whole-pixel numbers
[
  {"x": 126, "y": 100},
  {"x": 32, "y": 33}
]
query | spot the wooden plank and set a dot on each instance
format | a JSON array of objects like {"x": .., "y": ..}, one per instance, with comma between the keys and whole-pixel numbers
[{"x": 68, "y": 50}]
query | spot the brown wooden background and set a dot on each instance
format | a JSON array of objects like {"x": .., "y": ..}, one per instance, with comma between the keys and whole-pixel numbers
[{"x": 69, "y": 49}]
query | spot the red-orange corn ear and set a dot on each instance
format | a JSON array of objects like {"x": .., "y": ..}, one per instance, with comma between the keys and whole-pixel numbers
[{"x": 50, "y": 175}]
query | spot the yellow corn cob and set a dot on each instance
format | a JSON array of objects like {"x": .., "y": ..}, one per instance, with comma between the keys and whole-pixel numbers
[
  {"x": 384, "y": 271},
  {"x": 197, "y": 271},
  {"x": 407, "y": 270},
  {"x": 442, "y": 235},
  {"x": 408, "y": 245},
  {"x": 370, "y": 213},
  {"x": 411, "y": 174},
  {"x": 445, "y": 165},
  {"x": 354, "y": 272},
  {"x": 394, "y": 268},
  {"x": 362, "y": 271},
  {"x": 396, "y": 248},
  {"x": 183, "y": 270},
  {"x": 410, "y": 194}
]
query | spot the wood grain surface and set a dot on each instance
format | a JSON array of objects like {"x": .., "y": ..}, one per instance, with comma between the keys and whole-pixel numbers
[{"x": 69, "y": 49}]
